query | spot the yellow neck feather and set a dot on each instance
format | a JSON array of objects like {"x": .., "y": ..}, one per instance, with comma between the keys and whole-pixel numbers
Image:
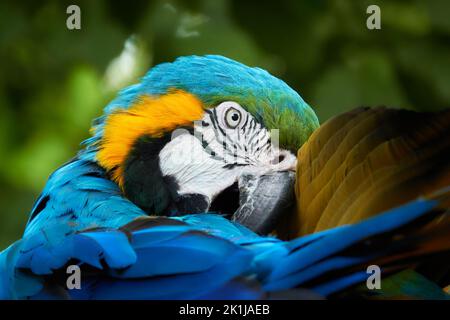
[{"x": 152, "y": 116}]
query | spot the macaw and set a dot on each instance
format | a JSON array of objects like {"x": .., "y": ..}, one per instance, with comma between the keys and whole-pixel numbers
[{"x": 185, "y": 191}]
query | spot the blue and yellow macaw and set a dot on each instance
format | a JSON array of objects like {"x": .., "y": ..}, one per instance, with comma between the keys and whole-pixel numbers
[{"x": 175, "y": 194}]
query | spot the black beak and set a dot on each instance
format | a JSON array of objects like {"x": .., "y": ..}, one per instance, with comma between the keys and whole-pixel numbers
[{"x": 264, "y": 199}]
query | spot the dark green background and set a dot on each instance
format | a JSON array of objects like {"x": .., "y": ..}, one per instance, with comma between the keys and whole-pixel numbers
[{"x": 54, "y": 80}]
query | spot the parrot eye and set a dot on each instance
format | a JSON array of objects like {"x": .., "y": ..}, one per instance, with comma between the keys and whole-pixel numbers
[
  {"x": 232, "y": 117},
  {"x": 230, "y": 114}
]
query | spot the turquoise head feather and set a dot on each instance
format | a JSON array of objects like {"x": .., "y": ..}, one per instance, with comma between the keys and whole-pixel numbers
[{"x": 214, "y": 79}]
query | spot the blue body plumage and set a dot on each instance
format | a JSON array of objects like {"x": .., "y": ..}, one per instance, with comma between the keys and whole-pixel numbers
[{"x": 193, "y": 257}]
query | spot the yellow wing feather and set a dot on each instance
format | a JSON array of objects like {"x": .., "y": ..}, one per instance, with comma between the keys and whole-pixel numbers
[{"x": 366, "y": 161}]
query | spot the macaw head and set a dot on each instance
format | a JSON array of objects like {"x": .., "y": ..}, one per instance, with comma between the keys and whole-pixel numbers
[{"x": 204, "y": 134}]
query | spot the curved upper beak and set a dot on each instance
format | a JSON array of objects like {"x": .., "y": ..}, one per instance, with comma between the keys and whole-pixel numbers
[{"x": 263, "y": 199}]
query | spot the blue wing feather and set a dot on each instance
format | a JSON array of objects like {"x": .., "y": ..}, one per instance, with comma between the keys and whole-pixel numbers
[{"x": 338, "y": 239}]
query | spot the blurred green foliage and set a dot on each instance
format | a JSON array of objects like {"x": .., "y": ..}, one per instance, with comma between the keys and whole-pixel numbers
[{"x": 54, "y": 81}]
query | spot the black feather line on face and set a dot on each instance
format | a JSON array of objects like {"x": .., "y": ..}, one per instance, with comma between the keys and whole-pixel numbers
[
  {"x": 205, "y": 144},
  {"x": 248, "y": 138},
  {"x": 144, "y": 183}
]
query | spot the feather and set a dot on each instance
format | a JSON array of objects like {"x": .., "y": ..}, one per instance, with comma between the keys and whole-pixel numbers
[
  {"x": 367, "y": 161},
  {"x": 183, "y": 258}
]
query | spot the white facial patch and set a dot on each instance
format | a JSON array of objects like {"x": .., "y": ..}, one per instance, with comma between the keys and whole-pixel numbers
[
  {"x": 194, "y": 169},
  {"x": 227, "y": 143}
]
